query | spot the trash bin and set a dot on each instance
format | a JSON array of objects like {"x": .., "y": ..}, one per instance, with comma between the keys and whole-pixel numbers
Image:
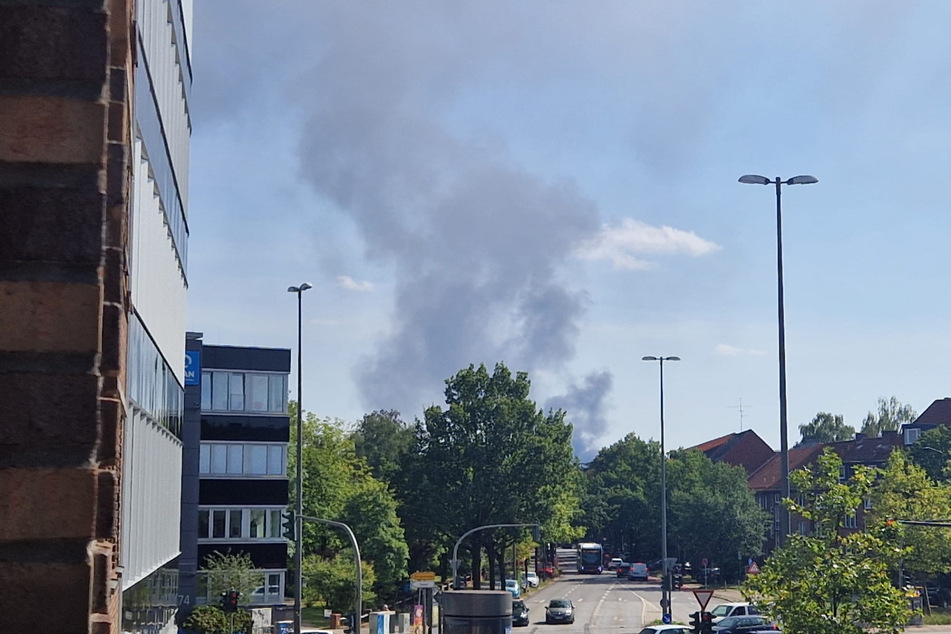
[
  {"x": 283, "y": 627},
  {"x": 379, "y": 622},
  {"x": 334, "y": 621},
  {"x": 477, "y": 612}
]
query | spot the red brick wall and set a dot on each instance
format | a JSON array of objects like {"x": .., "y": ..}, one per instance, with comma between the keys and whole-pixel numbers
[{"x": 64, "y": 181}]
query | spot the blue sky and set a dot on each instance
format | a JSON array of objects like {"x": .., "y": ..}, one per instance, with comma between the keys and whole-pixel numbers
[{"x": 554, "y": 185}]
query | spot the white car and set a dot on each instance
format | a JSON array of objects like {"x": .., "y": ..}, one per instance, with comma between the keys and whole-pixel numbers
[
  {"x": 532, "y": 579},
  {"x": 724, "y": 610},
  {"x": 512, "y": 586},
  {"x": 614, "y": 563}
]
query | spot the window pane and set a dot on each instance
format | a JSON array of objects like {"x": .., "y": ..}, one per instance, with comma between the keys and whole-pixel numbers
[
  {"x": 218, "y": 523},
  {"x": 204, "y": 459},
  {"x": 202, "y": 524},
  {"x": 257, "y": 392},
  {"x": 206, "y": 390},
  {"x": 235, "y": 459},
  {"x": 219, "y": 390},
  {"x": 236, "y": 402},
  {"x": 234, "y": 525},
  {"x": 277, "y": 393},
  {"x": 275, "y": 460},
  {"x": 257, "y": 524},
  {"x": 219, "y": 459},
  {"x": 258, "y": 459},
  {"x": 274, "y": 527}
]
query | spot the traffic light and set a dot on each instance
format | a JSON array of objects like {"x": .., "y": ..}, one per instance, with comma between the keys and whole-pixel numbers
[
  {"x": 695, "y": 621},
  {"x": 706, "y": 622},
  {"x": 289, "y": 525},
  {"x": 229, "y": 601}
]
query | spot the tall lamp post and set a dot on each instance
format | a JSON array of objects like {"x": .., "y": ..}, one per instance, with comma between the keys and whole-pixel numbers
[
  {"x": 665, "y": 587},
  {"x": 298, "y": 518},
  {"x": 753, "y": 179}
]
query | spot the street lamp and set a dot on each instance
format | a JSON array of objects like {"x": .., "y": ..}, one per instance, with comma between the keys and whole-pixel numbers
[
  {"x": 665, "y": 586},
  {"x": 299, "y": 520},
  {"x": 752, "y": 179}
]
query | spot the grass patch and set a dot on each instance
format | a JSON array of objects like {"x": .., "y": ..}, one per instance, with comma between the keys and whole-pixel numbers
[
  {"x": 937, "y": 617},
  {"x": 314, "y": 617}
]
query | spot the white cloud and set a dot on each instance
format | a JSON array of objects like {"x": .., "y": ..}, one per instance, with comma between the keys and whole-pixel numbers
[
  {"x": 726, "y": 350},
  {"x": 626, "y": 244},
  {"x": 347, "y": 282}
]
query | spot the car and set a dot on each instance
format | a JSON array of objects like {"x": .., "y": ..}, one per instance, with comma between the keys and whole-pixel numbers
[
  {"x": 519, "y": 613},
  {"x": 667, "y": 629},
  {"x": 725, "y": 610},
  {"x": 512, "y": 586},
  {"x": 614, "y": 563},
  {"x": 532, "y": 579},
  {"x": 741, "y": 624},
  {"x": 623, "y": 569},
  {"x": 638, "y": 572},
  {"x": 559, "y": 611}
]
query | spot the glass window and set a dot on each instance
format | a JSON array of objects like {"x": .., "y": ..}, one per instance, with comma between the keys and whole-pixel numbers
[
  {"x": 236, "y": 399},
  {"x": 234, "y": 523},
  {"x": 258, "y": 392},
  {"x": 202, "y": 524},
  {"x": 219, "y": 390},
  {"x": 218, "y": 523},
  {"x": 275, "y": 460},
  {"x": 274, "y": 526},
  {"x": 258, "y": 459},
  {"x": 204, "y": 459},
  {"x": 219, "y": 459},
  {"x": 257, "y": 524},
  {"x": 277, "y": 393},
  {"x": 206, "y": 390},
  {"x": 235, "y": 459}
]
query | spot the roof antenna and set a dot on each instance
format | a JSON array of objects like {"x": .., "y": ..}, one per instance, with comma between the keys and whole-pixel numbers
[{"x": 739, "y": 407}]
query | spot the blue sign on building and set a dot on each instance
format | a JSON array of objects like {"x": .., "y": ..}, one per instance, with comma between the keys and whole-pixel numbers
[{"x": 192, "y": 367}]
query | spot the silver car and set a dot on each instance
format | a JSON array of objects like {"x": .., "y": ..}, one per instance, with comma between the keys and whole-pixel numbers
[{"x": 559, "y": 611}]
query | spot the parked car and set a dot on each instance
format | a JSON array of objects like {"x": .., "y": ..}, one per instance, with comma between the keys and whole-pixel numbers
[
  {"x": 667, "y": 629},
  {"x": 638, "y": 572},
  {"x": 725, "y": 610},
  {"x": 559, "y": 611},
  {"x": 519, "y": 613},
  {"x": 623, "y": 569},
  {"x": 512, "y": 586},
  {"x": 532, "y": 579},
  {"x": 741, "y": 624}
]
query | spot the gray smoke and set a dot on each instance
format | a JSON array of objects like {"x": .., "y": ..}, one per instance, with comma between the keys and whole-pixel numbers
[
  {"x": 585, "y": 405},
  {"x": 476, "y": 241}
]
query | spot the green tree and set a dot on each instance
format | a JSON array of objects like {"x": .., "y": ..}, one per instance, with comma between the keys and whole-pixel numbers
[
  {"x": 826, "y": 427},
  {"x": 331, "y": 581},
  {"x": 891, "y": 416},
  {"x": 339, "y": 486},
  {"x": 832, "y": 581},
  {"x": 383, "y": 440},
  {"x": 712, "y": 513},
  {"x": 490, "y": 457},
  {"x": 905, "y": 492},
  {"x": 230, "y": 571},
  {"x": 932, "y": 452},
  {"x": 210, "y": 619}
]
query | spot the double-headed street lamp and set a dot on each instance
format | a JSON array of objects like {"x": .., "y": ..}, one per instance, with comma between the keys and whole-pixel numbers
[
  {"x": 752, "y": 179},
  {"x": 298, "y": 517},
  {"x": 665, "y": 586}
]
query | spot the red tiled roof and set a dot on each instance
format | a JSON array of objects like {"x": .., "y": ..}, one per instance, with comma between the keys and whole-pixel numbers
[
  {"x": 938, "y": 413},
  {"x": 745, "y": 449},
  {"x": 768, "y": 477}
]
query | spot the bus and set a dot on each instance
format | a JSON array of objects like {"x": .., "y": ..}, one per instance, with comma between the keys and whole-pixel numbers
[{"x": 590, "y": 558}]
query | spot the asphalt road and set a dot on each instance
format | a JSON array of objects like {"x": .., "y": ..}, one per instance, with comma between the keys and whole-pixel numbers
[{"x": 605, "y": 603}]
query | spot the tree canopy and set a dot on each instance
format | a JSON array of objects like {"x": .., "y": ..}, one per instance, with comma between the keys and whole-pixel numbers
[
  {"x": 834, "y": 580},
  {"x": 826, "y": 427},
  {"x": 891, "y": 415}
]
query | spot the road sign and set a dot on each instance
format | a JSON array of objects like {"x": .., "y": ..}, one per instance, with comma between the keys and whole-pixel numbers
[
  {"x": 703, "y": 598},
  {"x": 423, "y": 576},
  {"x": 704, "y": 562},
  {"x": 666, "y": 619},
  {"x": 418, "y": 584},
  {"x": 753, "y": 569}
]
